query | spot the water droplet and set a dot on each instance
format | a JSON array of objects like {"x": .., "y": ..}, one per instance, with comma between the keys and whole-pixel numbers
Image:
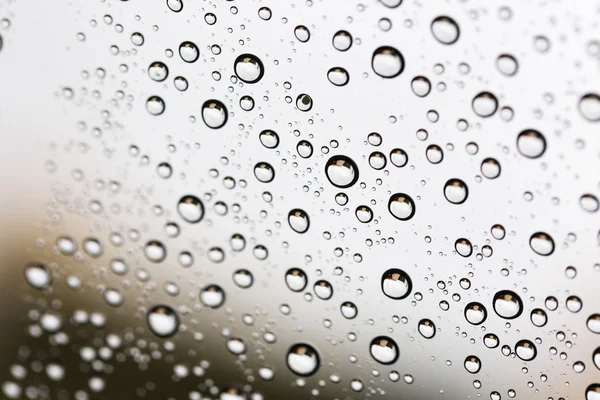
[
  {"x": 384, "y": 350},
  {"x": 264, "y": 172},
  {"x": 158, "y": 71},
  {"x": 338, "y": 76},
  {"x": 323, "y": 290},
  {"x": 445, "y": 30},
  {"x": 491, "y": 341},
  {"x": 113, "y": 297},
  {"x": 589, "y": 202},
  {"x": 342, "y": 40},
  {"x": 155, "y": 105},
  {"x": 596, "y": 358},
  {"x": 420, "y": 86},
  {"x": 188, "y": 52},
  {"x": 191, "y": 209},
  {"x": 304, "y": 149},
  {"x": 402, "y": 206},
  {"x": 538, "y": 317},
  {"x": 399, "y": 158},
  {"x": 541, "y": 243},
  {"x": 593, "y": 323},
  {"x": 341, "y": 171},
  {"x": 364, "y": 214},
  {"x": 427, "y": 328},
  {"x": 475, "y": 313},
  {"x": 38, "y": 276},
  {"x": 589, "y": 106},
  {"x": 243, "y": 278},
  {"x": 137, "y": 38},
  {"x": 66, "y": 245},
  {"x": 531, "y": 143},
  {"x": 387, "y": 62},
  {"x": 507, "y": 304},
  {"x": 490, "y": 168},
  {"x": 269, "y": 139},
  {"x": 249, "y": 68},
  {"x": 574, "y": 304},
  {"x": 214, "y": 114},
  {"x": 485, "y": 104},
  {"x": 304, "y": 102},
  {"x": 163, "y": 321},
  {"x": 396, "y": 284},
  {"x": 303, "y": 360},
  {"x": 507, "y": 64},
  {"x": 473, "y": 364},
  {"x": 463, "y": 247},
  {"x": 525, "y": 350},
  {"x": 434, "y": 154},
  {"x": 92, "y": 247},
  {"x": 302, "y": 33},
  {"x": 296, "y": 280},
  {"x": 298, "y": 220},
  {"x": 264, "y": 13},
  {"x": 175, "y": 5},
  {"x": 212, "y": 296},
  {"x": 349, "y": 310},
  {"x": 456, "y": 191},
  {"x": 593, "y": 392},
  {"x": 391, "y": 3},
  {"x": 246, "y": 103},
  {"x": 155, "y": 251}
]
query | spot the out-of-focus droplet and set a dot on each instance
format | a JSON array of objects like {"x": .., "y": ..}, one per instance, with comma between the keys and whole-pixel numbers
[{"x": 163, "y": 321}]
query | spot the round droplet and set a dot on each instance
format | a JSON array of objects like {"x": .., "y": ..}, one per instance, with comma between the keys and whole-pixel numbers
[
  {"x": 214, "y": 114},
  {"x": 463, "y": 247},
  {"x": 113, "y": 297},
  {"x": 338, "y": 76},
  {"x": 538, "y": 317},
  {"x": 475, "y": 313},
  {"x": 498, "y": 232},
  {"x": 485, "y": 104},
  {"x": 296, "y": 280},
  {"x": 434, "y": 154},
  {"x": 249, "y": 68},
  {"x": 427, "y": 328},
  {"x": 163, "y": 321},
  {"x": 593, "y": 392},
  {"x": 264, "y": 172},
  {"x": 541, "y": 243},
  {"x": 589, "y": 202},
  {"x": 384, "y": 350},
  {"x": 302, "y": 33},
  {"x": 38, "y": 276},
  {"x": 456, "y": 191},
  {"x": 399, "y": 158},
  {"x": 364, "y": 214},
  {"x": 387, "y": 62},
  {"x": 155, "y": 251},
  {"x": 158, "y": 71},
  {"x": 304, "y": 102},
  {"x": 420, "y": 86},
  {"x": 593, "y": 323},
  {"x": 137, "y": 38},
  {"x": 391, "y": 3},
  {"x": 191, "y": 209},
  {"x": 531, "y": 143},
  {"x": 303, "y": 360},
  {"x": 298, "y": 220},
  {"x": 589, "y": 106},
  {"x": 246, "y": 103},
  {"x": 342, "y": 40},
  {"x": 66, "y": 245},
  {"x": 473, "y": 364},
  {"x": 243, "y": 278},
  {"x": 507, "y": 64},
  {"x": 349, "y": 310},
  {"x": 507, "y": 304},
  {"x": 188, "y": 52},
  {"x": 445, "y": 30},
  {"x": 341, "y": 171},
  {"x": 264, "y": 13},
  {"x": 269, "y": 139},
  {"x": 175, "y": 5},
  {"x": 396, "y": 284},
  {"x": 180, "y": 83},
  {"x": 92, "y": 247},
  {"x": 323, "y": 290},
  {"x": 596, "y": 358},
  {"x": 574, "y": 304},
  {"x": 155, "y": 105},
  {"x": 491, "y": 341},
  {"x": 402, "y": 206},
  {"x": 377, "y": 160},
  {"x": 212, "y": 296},
  {"x": 525, "y": 350},
  {"x": 490, "y": 168},
  {"x": 304, "y": 149}
]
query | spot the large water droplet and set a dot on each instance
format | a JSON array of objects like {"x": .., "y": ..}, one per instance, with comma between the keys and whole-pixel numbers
[
  {"x": 456, "y": 191},
  {"x": 188, "y": 52},
  {"x": 593, "y": 323},
  {"x": 249, "y": 68},
  {"x": 507, "y": 64},
  {"x": 507, "y": 304},
  {"x": 420, "y": 86},
  {"x": 191, "y": 209},
  {"x": 589, "y": 106},
  {"x": 163, "y": 321},
  {"x": 384, "y": 350},
  {"x": 338, "y": 76},
  {"x": 402, "y": 206},
  {"x": 158, "y": 71},
  {"x": 214, "y": 114},
  {"x": 212, "y": 296},
  {"x": 323, "y": 290},
  {"x": 445, "y": 30},
  {"x": 269, "y": 139},
  {"x": 541, "y": 243},
  {"x": 296, "y": 280},
  {"x": 342, "y": 40},
  {"x": 538, "y": 317},
  {"x": 525, "y": 350},
  {"x": 155, "y": 251},
  {"x": 341, "y": 171},
  {"x": 475, "y": 313},
  {"x": 38, "y": 276},
  {"x": 463, "y": 247},
  {"x": 473, "y": 364},
  {"x": 349, "y": 310},
  {"x": 302, "y": 359},
  {"x": 387, "y": 62},
  {"x": 593, "y": 392},
  {"x": 531, "y": 143},
  {"x": 427, "y": 328},
  {"x": 302, "y": 33},
  {"x": 298, "y": 220},
  {"x": 264, "y": 172},
  {"x": 396, "y": 284},
  {"x": 485, "y": 104},
  {"x": 155, "y": 105}
]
